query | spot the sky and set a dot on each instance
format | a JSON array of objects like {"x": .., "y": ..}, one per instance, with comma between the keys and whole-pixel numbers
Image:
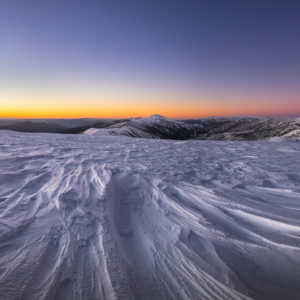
[{"x": 128, "y": 58}]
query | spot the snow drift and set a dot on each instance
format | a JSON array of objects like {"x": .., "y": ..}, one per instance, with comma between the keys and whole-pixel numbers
[{"x": 122, "y": 218}]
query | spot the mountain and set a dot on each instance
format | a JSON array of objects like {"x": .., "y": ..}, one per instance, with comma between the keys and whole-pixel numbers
[
  {"x": 46, "y": 125},
  {"x": 156, "y": 126},
  {"x": 160, "y": 127},
  {"x": 33, "y": 127},
  {"x": 247, "y": 128},
  {"x": 99, "y": 124}
]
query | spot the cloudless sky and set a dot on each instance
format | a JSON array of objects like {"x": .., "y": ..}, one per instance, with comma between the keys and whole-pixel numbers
[{"x": 120, "y": 58}]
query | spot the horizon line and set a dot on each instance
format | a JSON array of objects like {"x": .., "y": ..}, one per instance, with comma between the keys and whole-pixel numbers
[{"x": 295, "y": 115}]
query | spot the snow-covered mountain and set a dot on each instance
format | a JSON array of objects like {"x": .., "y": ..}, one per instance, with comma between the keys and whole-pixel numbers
[
  {"x": 160, "y": 127},
  {"x": 248, "y": 128},
  {"x": 155, "y": 126},
  {"x": 83, "y": 217}
]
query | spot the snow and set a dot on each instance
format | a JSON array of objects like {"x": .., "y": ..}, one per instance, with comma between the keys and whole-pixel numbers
[
  {"x": 118, "y": 131},
  {"x": 294, "y": 133},
  {"x": 112, "y": 217},
  {"x": 155, "y": 119}
]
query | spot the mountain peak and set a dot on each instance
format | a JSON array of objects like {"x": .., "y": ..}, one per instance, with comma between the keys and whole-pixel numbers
[{"x": 157, "y": 116}]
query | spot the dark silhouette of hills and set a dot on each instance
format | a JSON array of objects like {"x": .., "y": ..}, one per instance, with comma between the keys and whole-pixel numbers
[{"x": 33, "y": 127}]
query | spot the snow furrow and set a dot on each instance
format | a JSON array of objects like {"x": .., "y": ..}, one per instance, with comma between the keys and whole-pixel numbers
[{"x": 116, "y": 218}]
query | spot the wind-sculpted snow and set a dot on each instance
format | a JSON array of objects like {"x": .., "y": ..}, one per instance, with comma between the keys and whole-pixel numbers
[{"x": 83, "y": 217}]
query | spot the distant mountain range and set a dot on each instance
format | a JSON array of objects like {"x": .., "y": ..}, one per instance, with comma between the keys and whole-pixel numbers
[
  {"x": 45, "y": 125},
  {"x": 159, "y": 127},
  {"x": 33, "y": 127}
]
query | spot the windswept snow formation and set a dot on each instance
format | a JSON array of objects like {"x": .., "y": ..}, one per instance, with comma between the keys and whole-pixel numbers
[{"x": 83, "y": 217}]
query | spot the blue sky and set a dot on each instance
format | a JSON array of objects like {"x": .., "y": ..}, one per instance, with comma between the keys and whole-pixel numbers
[{"x": 195, "y": 57}]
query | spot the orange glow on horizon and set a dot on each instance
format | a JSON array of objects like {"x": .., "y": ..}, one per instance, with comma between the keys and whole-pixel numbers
[
  {"x": 83, "y": 100},
  {"x": 175, "y": 112},
  {"x": 35, "y": 106}
]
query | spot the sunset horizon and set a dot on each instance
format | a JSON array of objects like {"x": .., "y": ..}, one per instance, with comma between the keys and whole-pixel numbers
[
  {"x": 63, "y": 115},
  {"x": 127, "y": 59}
]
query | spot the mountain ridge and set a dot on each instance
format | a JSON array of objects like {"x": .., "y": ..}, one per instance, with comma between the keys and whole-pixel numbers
[
  {"x": 156, "y": 126},
  {"x": 160, "y": 127}
]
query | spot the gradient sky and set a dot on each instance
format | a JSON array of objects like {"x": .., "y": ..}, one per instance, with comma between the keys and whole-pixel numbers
[{"x": 122, "y": 58}]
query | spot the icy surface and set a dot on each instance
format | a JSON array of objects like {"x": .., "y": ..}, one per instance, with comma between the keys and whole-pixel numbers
[{"x": 92, "y": 217}]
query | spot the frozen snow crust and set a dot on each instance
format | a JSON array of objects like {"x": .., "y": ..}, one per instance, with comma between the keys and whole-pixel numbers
[{"x": 89, "y": 217}]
